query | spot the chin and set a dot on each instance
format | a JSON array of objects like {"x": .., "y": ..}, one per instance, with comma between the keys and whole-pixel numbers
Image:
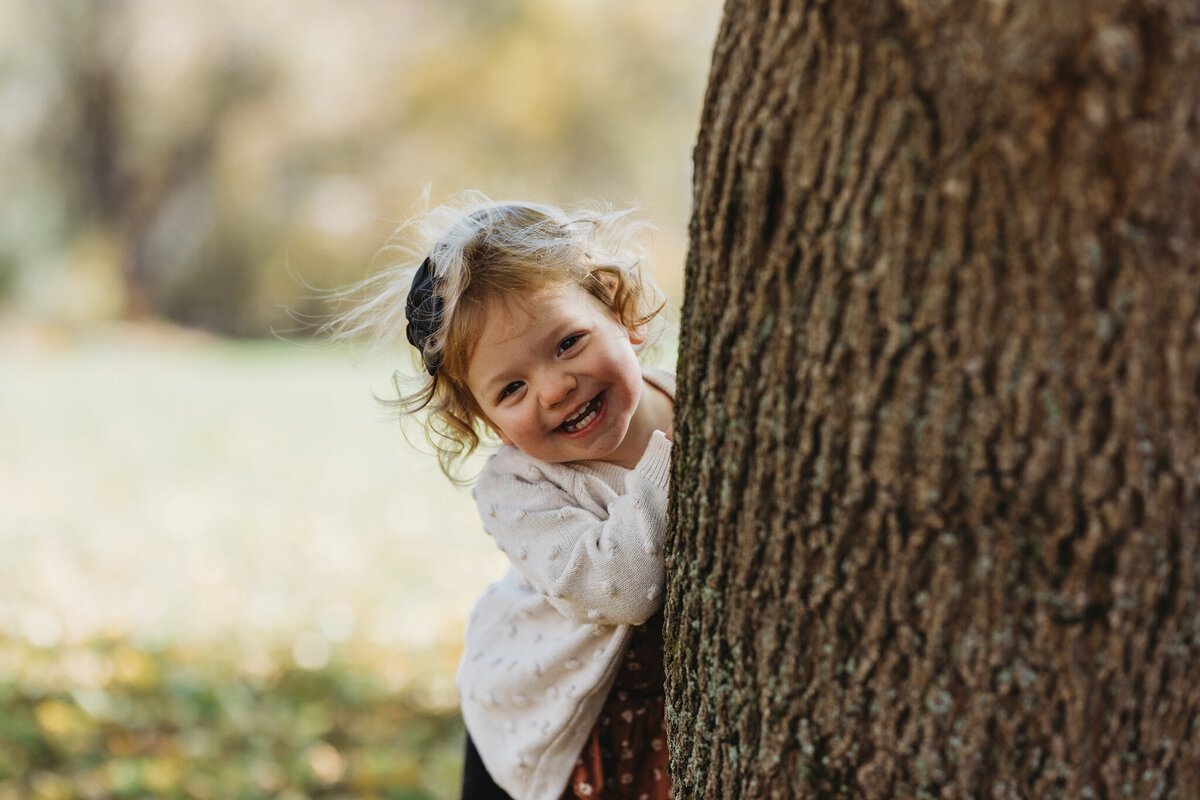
[{"x": 608, "y": 449}]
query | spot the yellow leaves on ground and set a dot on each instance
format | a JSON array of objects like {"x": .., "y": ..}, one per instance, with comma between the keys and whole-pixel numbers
[
  {"x": 135, "y": 669},
  {"x": 65, "y": 726}
]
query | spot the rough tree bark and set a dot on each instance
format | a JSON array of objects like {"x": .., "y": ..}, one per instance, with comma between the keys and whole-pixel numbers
[{"x": 936, "y": 498}]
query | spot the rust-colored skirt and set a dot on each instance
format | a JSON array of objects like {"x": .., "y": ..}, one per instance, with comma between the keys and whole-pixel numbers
[{"x": 625, "y": 757}]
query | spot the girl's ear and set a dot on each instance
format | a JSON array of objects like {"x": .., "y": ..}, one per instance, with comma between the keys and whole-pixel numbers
[{"x": 637, "y": 335}]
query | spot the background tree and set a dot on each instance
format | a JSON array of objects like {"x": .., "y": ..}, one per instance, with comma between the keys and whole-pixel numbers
[
  {"x": 202, "y": 164},
  {"x": 936, "y": 509}
]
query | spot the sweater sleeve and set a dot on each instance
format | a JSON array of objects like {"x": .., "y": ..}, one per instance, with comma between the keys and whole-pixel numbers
[{"x": 595, "y": 554}]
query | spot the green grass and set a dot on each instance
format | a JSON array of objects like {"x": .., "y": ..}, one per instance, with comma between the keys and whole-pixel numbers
[
  {"x": 225, "y": 574},
  {"x": 181, "y": 723}
]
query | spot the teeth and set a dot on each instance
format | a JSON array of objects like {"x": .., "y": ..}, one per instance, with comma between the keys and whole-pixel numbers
[
  {"x": 581, "y": 420},
  {"x": 574, "y": 426}
]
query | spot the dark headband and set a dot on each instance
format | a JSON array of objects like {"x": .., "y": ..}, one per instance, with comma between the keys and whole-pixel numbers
[{"x": 424, "y": 314}]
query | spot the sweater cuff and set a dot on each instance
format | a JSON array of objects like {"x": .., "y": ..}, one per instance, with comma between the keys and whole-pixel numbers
[{"x": 655, "y": 465}]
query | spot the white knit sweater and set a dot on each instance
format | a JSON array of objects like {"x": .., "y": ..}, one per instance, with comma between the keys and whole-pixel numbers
[{"x": 544, "y": 644}]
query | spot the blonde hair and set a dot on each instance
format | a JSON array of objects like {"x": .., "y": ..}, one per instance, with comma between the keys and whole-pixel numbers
[{"x": 483, "y": 252}]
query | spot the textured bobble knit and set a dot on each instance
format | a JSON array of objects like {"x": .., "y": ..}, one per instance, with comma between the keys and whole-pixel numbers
[{"x": 544, "y": 643}]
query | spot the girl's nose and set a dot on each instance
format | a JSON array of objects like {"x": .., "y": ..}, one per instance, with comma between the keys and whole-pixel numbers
[{"x": 556, "y": 388}]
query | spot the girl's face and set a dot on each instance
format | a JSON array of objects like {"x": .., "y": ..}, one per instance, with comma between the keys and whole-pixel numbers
[{"x": 555, "y": 374}]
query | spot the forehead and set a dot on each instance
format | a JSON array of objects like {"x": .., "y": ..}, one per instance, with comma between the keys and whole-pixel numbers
[{"x": 514, "y": 317}]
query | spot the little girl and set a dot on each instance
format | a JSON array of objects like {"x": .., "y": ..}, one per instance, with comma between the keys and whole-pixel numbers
[{"x": 528, "y": 321}]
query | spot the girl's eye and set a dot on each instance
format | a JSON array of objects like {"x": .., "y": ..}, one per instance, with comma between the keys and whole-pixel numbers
[
  {"x": 569, "y": 342},
  {"x": 507, "y": 390}
]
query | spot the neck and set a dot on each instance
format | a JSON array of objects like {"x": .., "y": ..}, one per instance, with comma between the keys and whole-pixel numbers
[{"x": 655, "y": 412}]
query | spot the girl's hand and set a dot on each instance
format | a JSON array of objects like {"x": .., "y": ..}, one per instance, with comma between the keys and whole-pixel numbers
[{"x": 663, "y": 411}]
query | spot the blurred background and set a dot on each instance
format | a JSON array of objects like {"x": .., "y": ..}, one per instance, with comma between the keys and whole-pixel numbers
[{"x": 223, "y": 572}]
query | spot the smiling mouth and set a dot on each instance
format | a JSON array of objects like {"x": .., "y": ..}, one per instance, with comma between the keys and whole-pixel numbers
[{"x": 581, "y": 418}]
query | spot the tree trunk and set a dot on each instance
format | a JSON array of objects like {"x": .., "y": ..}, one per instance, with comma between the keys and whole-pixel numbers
[{"x": 936, "y": 499}]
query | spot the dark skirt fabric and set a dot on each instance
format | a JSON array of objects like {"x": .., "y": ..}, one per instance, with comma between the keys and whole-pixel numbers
[
  {"x": 477, "y": 784},
  {"x": 625, "y": 757}
]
